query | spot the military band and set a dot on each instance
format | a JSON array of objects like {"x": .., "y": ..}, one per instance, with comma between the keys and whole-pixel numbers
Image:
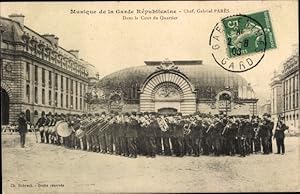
[{"x": 151, "y": 134}]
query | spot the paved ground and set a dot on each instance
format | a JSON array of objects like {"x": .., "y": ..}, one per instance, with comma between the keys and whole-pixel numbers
[{"x": 38, "y": 166}]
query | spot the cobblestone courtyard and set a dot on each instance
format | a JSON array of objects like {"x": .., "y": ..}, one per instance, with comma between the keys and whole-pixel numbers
[{"x": 49, "y": 168}]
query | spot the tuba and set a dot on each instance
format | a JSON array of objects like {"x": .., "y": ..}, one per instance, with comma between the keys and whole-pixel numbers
[{"x": 163, "y": 124}]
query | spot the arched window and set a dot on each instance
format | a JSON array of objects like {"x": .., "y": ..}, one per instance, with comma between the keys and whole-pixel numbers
[{"x": 27, "y": 115}]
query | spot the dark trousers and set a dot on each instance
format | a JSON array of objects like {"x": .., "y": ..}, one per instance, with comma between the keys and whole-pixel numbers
[
  {"x": 196, "y": 145},
  {"x": 109, "y": 142},
  {"x": 265, "y": 145},
  {"x": 151, "y": 146},
  {"x": 124, "y": 146},
  {"x": 166, "y": 144},
  {"x": 22, "y": 138},
  {"x": 42, "y": 136},
  {"x": 280, "y": 145},
  {"x": 47, "y": 136},
  {"x": 270, "y": 145},
  {"x": 116, "y": 141},
  {"x": 187, "y": 145},
  {"x": 102, "y": 141},
  {"x": 242, "y": 146},
  {"x": 158, "y": 145},
  {"x": 180, "y": 146},
  {"x": 217, "y": 146},
  {"x": 132, "y": 146},
  {"x": 231, "y": 146},
  {"x": 257, "y": 144}
]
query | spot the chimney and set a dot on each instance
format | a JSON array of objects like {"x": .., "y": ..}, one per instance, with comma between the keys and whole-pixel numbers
[
  {"x": 75, "y": 53},
  {"x": 18, "y": 18},
  {"x": 56, "y": 41},
  {"x": 51, "y": 38}
]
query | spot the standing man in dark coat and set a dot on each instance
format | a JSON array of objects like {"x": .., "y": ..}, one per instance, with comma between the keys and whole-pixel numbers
[
  {"x": 270, "y": 127},
  {"x": 41, "y": 124},
  {"x": 279, "y": 135},
  {"x": 265, "y": 135},
  {"x": 22, "y": 126}
]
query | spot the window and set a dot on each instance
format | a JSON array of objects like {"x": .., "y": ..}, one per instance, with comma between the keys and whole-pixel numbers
[
  {"x": 71, "y": 104},
  {"x": 50, "y": 79},
  {"x": 56, "y": 81},
  {"x": 80, "y": 103},
  {"x": 290, "y": 102},
  {"x": 293, "y": 79},
  {"x": 55, "y": 99},
  {"x": 80, "y": 89},
  {"x": 61, "y": 100},
  {"x": 27, "y": 72},
  {"x": 67, "y": 84},
  {"x": 36, "y": 74},
  {"x": 290, "y": 86},
  {"x": 76, "y": 87},
  {"x": 28, "y": 93},
  {"x": 293, "y": 100},
  {"x": 50, "y": 98},
  {"x": 43, "y": 96},
  {"x": 67, "y": 101},
  {"x": 43, "y": 77},
  {"x": 297, "y": 100},
  {"x": 71, "y": 86},
  {"x": 76, "y": 103},
  {"x": 36, "y": 95},
  {"x": 62, "y": 83}
]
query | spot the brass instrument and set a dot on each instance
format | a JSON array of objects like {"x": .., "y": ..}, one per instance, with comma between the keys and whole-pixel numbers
[
  {"x": 93, "y": 126},
  {"x": 144, "y": 122},
  {"x": 187, "y": 127},
  {"x": 163, "y": 124}
]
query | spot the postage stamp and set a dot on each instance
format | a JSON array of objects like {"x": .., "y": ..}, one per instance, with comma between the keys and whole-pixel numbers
[
  {"x": 244, "y": 33},
  {"x": 238, "y": 42}
]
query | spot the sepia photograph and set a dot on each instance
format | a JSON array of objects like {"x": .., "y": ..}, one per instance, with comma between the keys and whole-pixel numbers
[{"x": 150, "y": 96}]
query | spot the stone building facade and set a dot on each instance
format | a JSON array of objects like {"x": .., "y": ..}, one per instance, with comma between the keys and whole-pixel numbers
[
  {"x": 285, "y": 92},
  {"x": 37, "y": 75},
  {"x": 186, "y": 86}
]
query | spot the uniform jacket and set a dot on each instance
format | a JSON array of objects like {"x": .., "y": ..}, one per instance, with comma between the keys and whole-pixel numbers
[{"x": 22, "y": 123}]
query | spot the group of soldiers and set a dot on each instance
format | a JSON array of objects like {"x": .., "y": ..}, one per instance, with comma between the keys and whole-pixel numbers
[{"x": 151, "y": 134}]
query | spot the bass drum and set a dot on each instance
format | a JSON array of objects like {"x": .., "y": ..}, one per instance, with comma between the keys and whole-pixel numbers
[
  {"x": 41, "y": 129},
  {"x": 63, "y": 129}
]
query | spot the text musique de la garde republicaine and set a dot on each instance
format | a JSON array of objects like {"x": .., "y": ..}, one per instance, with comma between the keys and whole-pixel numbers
[{"x": 145, "y": 13}]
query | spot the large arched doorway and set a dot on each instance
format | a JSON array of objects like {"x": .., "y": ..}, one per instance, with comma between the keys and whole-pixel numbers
[
  {"x": 167, "y": 88},
  {"x": 4, "y": 107},
  {"x": 224, "y": 99}
]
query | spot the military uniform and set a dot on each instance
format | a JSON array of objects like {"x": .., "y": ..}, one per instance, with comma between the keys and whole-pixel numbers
[
  {"x": 150, "y": 138},
  {"x": 41, "y": 123},
  {"x": 279, "y": 135},
  {"x": 131, "y": 136}
]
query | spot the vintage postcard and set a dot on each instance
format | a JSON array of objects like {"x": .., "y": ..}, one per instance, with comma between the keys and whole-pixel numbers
[{"x": 158, "y": 96}]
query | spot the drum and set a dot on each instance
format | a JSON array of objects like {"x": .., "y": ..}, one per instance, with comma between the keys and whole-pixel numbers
[
  {"x": 63, "y": 129},
  {"x": 41, "y": 129}
]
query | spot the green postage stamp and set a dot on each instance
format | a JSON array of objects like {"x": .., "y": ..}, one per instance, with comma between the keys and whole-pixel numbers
[{"x": 246, "y": 34}]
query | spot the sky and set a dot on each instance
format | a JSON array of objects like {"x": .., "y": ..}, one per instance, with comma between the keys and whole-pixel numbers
[{"x": 111, "y": 43}]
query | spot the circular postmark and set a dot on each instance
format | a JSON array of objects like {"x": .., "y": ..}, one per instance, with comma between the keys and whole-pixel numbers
[{"x": 238, "y": 43}]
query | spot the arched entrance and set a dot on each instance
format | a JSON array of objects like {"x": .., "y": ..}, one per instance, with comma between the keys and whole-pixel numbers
[
  {"x": 4, "y": 107},
  {"x": 27, "y": 115},
  {"x": 224, "y": 99},
  {"x": 167, "y": 89},
  {"x": 167, "y": 111}
]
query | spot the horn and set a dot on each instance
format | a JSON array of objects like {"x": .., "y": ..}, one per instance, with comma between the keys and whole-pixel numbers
[{"x": 63, "y": 129}]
